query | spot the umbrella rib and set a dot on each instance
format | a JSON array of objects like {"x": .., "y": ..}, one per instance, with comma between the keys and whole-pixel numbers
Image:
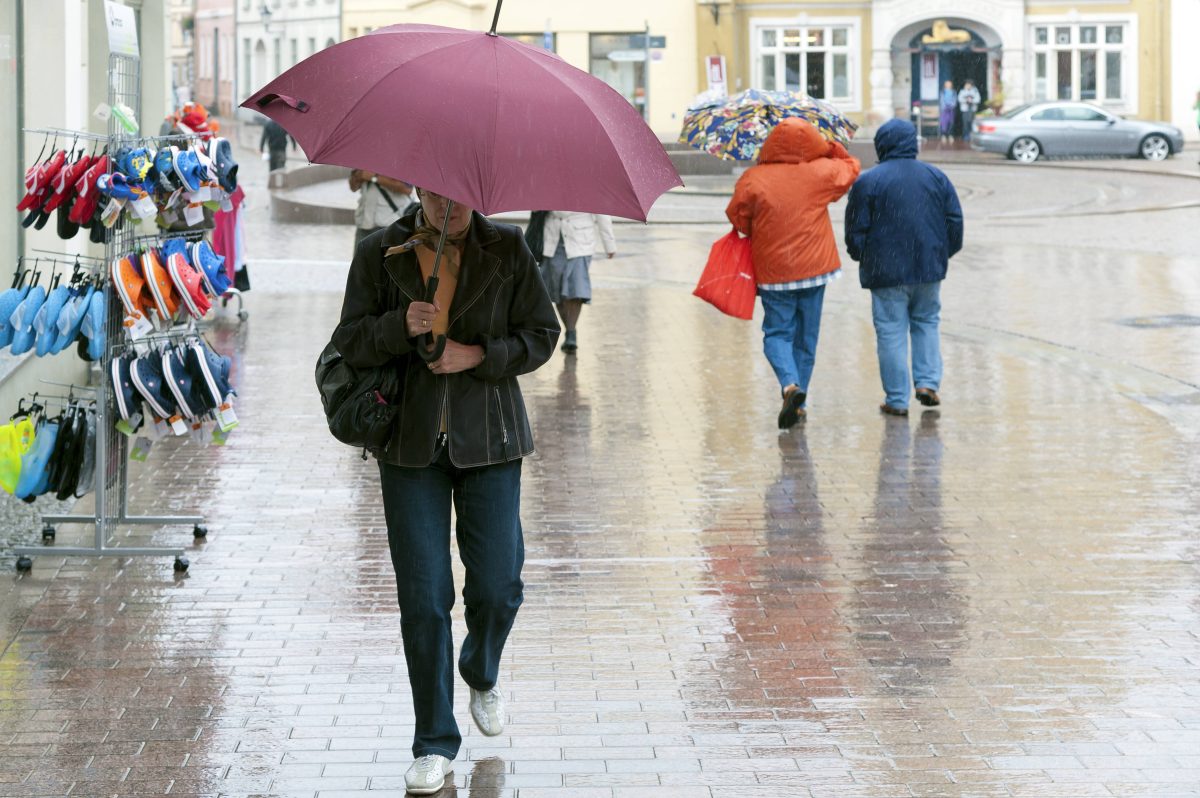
[{"x": 608, "y": 140}]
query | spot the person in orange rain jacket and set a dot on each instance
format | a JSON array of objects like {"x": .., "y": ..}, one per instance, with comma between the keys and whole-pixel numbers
[{"x": 782, "y": 205}]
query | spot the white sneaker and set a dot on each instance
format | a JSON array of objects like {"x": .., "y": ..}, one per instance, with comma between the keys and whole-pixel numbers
[
  {"x": 427, "y": 775},
  {"x": 487, "y": 709}
]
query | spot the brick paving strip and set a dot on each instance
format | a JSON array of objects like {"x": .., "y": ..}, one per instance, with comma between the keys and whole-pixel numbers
[{"x": 997, "y": 601}]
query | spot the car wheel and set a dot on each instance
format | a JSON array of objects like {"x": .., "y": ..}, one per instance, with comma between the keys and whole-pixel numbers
[
  {"x": 1025, "y": 150},
  {"x": 1155, "y": 148}
]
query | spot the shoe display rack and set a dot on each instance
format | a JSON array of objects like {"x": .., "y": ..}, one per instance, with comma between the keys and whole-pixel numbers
[{"x": 111, "y": 510}]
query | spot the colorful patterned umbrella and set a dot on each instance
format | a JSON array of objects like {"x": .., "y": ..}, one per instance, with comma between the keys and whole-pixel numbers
[{"x": 734, "y": 128}]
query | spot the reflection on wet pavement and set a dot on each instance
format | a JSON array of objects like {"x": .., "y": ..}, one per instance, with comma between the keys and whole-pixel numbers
[{"x": 999, "y": 599}]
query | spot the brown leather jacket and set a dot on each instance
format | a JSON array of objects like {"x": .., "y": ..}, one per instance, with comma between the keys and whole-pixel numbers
[{"x": 499, "y": 304}]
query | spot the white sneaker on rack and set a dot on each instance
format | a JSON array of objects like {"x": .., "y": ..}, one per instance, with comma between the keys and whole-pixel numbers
[{"x": 427, "y": 774}]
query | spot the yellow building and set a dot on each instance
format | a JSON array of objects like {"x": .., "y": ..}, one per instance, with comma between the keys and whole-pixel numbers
[
  {"x": 601, "y": 38},
  {"x": 876, "y": 60}
]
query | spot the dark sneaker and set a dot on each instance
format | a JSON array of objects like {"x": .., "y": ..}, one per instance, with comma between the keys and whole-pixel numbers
[{"x": 928, "y": 397}]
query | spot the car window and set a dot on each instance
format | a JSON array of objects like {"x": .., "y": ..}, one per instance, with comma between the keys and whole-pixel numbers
[
  {"x": 1015, "y": 112},
  {"x": 1078, "y": 114},
  {"x": 1048, "y": 115}
]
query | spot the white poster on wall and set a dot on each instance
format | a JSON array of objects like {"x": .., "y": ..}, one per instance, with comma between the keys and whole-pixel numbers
[
  {"x": 716, "y": 75},
  {"x": 122, "y": 29}
]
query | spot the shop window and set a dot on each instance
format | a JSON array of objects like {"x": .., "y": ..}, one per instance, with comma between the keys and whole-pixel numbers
[
  {"x": 816, "y": 60},
  {"x": 1078, "y": 63},
  {"x": 618, "y": 62},
  {"x": 535, "y": 40}
]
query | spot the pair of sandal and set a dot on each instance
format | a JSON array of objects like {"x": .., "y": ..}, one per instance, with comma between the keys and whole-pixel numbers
[
  {"x": 155, "y": 283},
  {"x": 46, "y": 322},
  {"x": 55, "y": 455}
]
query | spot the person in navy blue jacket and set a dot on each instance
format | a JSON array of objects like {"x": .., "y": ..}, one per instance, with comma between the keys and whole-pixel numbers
[{"x": 903, "y": 224}]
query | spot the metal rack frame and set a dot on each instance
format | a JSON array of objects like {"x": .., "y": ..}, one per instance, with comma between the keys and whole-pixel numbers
[{"x": 112, "y": 457}]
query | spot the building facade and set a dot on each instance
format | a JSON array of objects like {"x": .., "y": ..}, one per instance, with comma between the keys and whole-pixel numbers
[
  {"x": 605, "y": 39},
  {"x": 181, "y": 19},
  {"x": 885, "y": 58},
  {"x": 215, "y": 58},
  {"x": 1185, "y": 67},
  {"x": 274, "y": 35}
]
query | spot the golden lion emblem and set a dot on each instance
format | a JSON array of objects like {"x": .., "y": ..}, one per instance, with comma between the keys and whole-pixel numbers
[{"x": 942, "y": 33}]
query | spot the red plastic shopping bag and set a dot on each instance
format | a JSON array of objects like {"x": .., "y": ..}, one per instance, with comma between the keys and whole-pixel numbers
[{"x": 728, "y": 279}]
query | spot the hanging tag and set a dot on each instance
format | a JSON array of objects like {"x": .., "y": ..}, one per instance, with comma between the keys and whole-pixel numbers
[
  {"x": 159, "y": 429},
  {"x": 226, "y": 203},
  {"x": 141, "y": 449},
  {"x": 169, "y": 217},
  {"x": 197, "y": 432},
  {"x": 144, "y": 208},
  {"x": 137, "y": 326},
  {"x": 226, "y": 418},
  {"x": 202, "y": 194},
  {"x": 177, "y": 425},
  {"x": 219, "y": 437},
  {"x": 131, "y": 426},
  {"x": 112, "y": 212},
  {"x": 175, "y": 197},
  {"x": 103, "y": 112},
  {"x": 193, "y": 215}
]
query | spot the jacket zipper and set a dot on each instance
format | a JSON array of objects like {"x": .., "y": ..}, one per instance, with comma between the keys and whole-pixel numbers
[{"x": 503, "y": 426}]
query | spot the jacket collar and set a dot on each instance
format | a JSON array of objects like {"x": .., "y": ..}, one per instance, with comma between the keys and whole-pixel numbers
[{"x": 478, "y": 265}]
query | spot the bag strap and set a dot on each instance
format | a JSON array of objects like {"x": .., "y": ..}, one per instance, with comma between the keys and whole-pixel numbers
[{"x": 387, "y": 197}]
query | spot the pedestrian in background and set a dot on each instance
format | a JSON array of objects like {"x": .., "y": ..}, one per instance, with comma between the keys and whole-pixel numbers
[
  {"x": 568, "y": 243},
  {"x": 782, "y": 204},
  {"x": 968, "y": 104},
  {"x": 381, "y": 201},
  {"x": 458, "y": 444},
  {"x": 947, "y": 102},
  {"x": 275, "y": 140},
  {"x": 903, "y": 224}
]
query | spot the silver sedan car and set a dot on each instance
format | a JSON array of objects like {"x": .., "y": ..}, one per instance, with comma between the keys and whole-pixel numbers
[{"x": 1055, "y": 129}]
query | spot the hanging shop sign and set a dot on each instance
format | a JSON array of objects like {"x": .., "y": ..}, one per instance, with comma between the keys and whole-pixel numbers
[{"x": 122, "y": 29}]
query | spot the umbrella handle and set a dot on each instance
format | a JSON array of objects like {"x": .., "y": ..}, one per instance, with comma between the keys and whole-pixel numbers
[{"x": 431, "y": 349}]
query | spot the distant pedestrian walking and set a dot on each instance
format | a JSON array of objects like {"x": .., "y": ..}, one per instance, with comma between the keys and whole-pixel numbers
[
  {"x": 568, "y": 243},
  {"x": 903, "y": 224},
  {"x": 782, "y": 205},
  {"x": 381, "y": 201},
  {"x": 968, "y": 104},
  {"x": 275, "y": 140},
  {"x": 946, "y": 105}
]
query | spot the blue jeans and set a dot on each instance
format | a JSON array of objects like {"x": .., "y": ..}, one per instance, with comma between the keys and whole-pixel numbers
[
  {"x": 416, "y": 503},
  {"x": 899, "y": 312},
  {"x": 791, "y": 324}
]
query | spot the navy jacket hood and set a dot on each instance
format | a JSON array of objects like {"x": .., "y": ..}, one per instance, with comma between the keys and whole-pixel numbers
[{"x": 897, "y": 138}]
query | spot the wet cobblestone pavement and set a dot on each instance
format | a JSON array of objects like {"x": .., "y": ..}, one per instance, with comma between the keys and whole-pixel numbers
[{"x": 1000, "y": 599}]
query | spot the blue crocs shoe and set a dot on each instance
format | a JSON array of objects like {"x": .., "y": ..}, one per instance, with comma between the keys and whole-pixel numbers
[
  {"x": 34, "y": 463},
  {"x": 187, "y": 168},
  {"x": 127, "y": 400},
  {"x": 227, "y": 167},
  {"x": 93, "y": 327},
  {"x": 22, "y": 318},
  {"x": 70, "y": 321},
  {"x": 147, "y": 376},
  {"x": 118, "y": 186},
  {"x": 9, "y": 300},
  {"x": 211, "y": 267},
  {"x": 164, "y": 171},
  {"x": 213, "y": 371},
  {"x": 136, "y": 165},
  {"x": 45, "y": 324},
  {"x": 190, "y": 395}
]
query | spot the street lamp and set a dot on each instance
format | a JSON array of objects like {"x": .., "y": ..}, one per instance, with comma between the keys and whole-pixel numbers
[
  {"x": 715, "y": 7},
  {"x": 265, "y": 14}
]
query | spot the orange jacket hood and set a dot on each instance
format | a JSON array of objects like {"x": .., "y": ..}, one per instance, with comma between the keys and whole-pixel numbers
[{"x": 793, "y": 141}]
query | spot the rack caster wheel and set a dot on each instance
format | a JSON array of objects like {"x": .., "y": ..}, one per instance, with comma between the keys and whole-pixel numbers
[
  {"x": 48, "y": 532},
  {"x": 24, "y": 565},
  {"x": 199, "y": 531},
  {"x": 181, "y": 564}
]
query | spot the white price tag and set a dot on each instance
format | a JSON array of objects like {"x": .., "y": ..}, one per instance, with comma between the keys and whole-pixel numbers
[
  {"x": 158, "y": 429},
  {"x": 144, "y": 208},
  {"x": 193, "y": 215},
  {"x": 177, "y": 426},
  {"x": 202, "y": 194},
  {"x": 226, "y": 418},
  {"x": 137, "y": 326},
  {"x": 141, "y": 449},
  {"x": 112, "y": 212},
  {"x": 226, "y": 203}
]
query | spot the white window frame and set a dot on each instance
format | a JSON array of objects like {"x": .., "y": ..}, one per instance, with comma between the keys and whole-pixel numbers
[
  {"x": 1129, "y": 101},
  {"x": 852, "y": 50}
]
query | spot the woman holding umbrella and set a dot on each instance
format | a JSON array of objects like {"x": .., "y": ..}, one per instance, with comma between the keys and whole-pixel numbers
[{"x": 462, "y": 434}]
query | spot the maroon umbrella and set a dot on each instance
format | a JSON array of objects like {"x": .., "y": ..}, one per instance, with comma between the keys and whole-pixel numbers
[{"x": 483, "y": 120}]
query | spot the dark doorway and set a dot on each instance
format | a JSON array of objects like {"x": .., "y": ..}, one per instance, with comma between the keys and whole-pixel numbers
[{"x": 956, "y": 63}]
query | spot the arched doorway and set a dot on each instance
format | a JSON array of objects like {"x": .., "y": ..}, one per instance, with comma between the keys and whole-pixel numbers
[
  {"x": 927, "y": 54},
  {"x": 260, "y": 65}
]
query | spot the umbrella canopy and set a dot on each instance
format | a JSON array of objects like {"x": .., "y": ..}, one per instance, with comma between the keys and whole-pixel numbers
[
  {"x": 734, "y": 128},
  {"x": 485, "y": 121}
]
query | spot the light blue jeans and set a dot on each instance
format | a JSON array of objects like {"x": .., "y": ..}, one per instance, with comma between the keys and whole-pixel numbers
[
  {"x": 791, "y": 324},
  {"x": 899, "y": 312}
]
